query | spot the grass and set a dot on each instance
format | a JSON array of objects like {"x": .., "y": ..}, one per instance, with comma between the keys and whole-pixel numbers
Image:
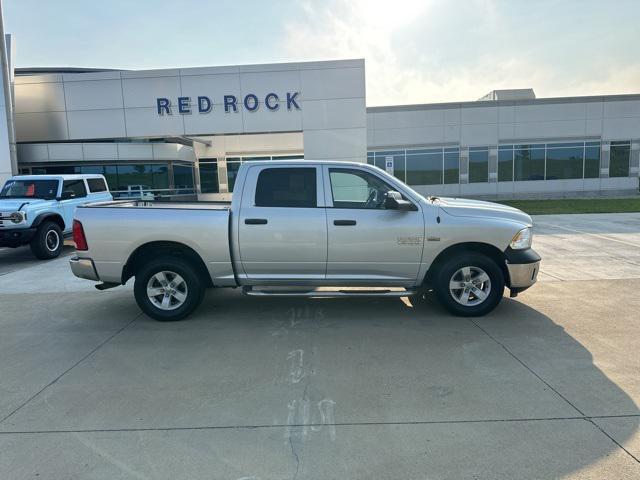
[{"x": 586, "y": 205}]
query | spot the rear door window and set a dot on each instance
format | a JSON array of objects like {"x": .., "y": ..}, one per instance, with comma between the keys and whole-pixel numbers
[
  {"x": 76, "y": 187},
  {"x": 287, "y": 187},
  {"x": 97, "y": 185}
]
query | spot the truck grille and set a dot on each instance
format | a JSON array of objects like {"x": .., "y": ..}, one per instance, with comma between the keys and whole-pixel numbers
[{"x": 4, "y": 223}]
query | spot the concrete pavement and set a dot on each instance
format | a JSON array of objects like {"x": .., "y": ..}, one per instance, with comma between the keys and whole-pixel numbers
[
  {"x": 547, "y": 386},
  {"x": 12, "y": 259}
]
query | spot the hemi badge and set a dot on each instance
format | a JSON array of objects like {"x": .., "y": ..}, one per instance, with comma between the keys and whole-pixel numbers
[
  {"x": 409, "y": 240},
  {"x": 433, "y": 239}
]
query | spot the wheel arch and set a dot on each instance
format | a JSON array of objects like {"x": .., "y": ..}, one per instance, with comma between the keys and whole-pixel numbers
[
  {"x": 52, "y": 217},
  {"x": 487, "y": 249},
  {"x": 151, "y": 250}
]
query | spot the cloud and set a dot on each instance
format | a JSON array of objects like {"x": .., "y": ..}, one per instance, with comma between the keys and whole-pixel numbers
[{"x": 433, "y": 51}]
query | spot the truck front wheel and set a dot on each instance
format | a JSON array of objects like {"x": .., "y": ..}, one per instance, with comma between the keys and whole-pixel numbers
[
  {"x": 469, "y": 285},
  {"x": 168, "y": 288},
  {"x": 47, "y": 242}
]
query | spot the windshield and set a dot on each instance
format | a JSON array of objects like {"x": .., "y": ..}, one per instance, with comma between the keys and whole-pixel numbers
[{"x": 46, "y": 189}]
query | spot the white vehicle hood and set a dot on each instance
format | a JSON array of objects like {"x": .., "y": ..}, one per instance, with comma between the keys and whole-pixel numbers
[
  {"x": 13, "y": 204},
  {"x": 462, "y": 207}
]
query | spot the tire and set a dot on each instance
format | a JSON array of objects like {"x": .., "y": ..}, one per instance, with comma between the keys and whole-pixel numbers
[
  {"x": 48, "y": 241},
  {"x": 476, "y": 275},
  {"x": 177, "y": 283}
]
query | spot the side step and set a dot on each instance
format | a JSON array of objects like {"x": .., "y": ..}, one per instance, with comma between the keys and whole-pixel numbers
[{"x": 324, "y": 292}]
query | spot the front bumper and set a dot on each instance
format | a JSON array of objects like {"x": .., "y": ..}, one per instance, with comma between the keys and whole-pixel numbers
[
  {"x": 14, "y": 237},
  {"x": 523, "y": 267},
  {"x": 83, "y": 268}
]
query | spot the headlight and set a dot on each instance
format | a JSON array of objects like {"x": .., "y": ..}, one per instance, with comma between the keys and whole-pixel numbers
[
  {"x": 522, "y": 239},
  {"x": 17, "y": 217}
]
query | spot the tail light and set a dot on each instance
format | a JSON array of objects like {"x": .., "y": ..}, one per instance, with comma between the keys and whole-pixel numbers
[{"x": 78, "y": 236}]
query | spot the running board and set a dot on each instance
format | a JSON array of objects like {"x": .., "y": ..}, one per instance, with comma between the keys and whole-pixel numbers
[{"x": 328, "y": 293}]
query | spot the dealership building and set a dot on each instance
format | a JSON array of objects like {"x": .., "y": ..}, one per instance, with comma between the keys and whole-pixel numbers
[{"x": 187, "y": 131}]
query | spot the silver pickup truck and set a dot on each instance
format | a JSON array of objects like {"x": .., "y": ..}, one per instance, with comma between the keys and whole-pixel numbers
[{"x": 308, "y": 228}]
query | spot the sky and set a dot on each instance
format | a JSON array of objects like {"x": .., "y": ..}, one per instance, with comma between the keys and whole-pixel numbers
[{"x": 415, "y": 51}]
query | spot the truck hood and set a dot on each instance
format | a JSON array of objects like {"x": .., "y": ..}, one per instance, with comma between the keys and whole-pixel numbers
[
  {"x": 462, "y": 207},
  {"x": 13, "y": 204}
]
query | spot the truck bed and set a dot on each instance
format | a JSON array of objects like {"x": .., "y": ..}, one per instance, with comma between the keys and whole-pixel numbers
[{"x": 116, "y": 230}]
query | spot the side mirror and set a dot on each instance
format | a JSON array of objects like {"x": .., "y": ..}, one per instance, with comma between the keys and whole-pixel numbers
[
  {"x": 394, "y": 201},
  {"x": 66, "y": 195}
]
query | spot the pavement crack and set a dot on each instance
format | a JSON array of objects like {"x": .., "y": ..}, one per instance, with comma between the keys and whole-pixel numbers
[
  {"x": 590, "y": 420},
  {"x": 584, "y": 416},
  {"x": 533, "y": 372},
  {"x": 312, "y": 424},
  {"x": 55, "y": 380},
  {"x": 295, "y": 455}
]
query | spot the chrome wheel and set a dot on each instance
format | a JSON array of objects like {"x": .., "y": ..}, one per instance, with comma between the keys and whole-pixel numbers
[
  {"x": 470, "y": 286},
  {"x": 167, "y": 290},
  {"x": 52, "y": 240}
]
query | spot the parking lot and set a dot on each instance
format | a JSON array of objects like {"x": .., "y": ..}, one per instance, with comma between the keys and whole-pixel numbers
[{"x": 547, "y": 386}]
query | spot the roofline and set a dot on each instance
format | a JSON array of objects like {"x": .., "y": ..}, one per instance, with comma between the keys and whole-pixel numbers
[
  {"x": 504, "y": 103},
  {"x": 243, "y": 68},
  {"x": 28, "y": 71},
  {"x": 307, "y": 161}
]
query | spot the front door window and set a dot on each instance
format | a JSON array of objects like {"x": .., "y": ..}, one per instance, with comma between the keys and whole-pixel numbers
[{"x": 357, "y": 189}]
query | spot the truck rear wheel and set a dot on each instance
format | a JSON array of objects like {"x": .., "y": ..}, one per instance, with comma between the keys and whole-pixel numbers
[
  {"x": 469, "y": 285},
  {"x": 48, "y": 241},
  {"x": 168, "y": 289}
]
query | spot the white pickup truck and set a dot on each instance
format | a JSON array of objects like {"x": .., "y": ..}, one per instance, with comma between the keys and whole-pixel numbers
[{"x": 296, "y": 226}]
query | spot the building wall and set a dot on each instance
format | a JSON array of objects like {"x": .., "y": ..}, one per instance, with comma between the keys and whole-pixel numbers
[
  {"x": 32, "y": 154},
  {"x": 123, "y": 104},
  {"x": 493, "y": 123},
  {"x": 5, "y": 154},
  {"x": 5, "y": 144}
]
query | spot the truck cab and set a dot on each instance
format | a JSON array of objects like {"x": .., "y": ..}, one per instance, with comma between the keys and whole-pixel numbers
[{"x": 37, "y": 210}]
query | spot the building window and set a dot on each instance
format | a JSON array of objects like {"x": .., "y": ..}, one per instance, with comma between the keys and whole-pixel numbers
[
  {"x": 431, "y": 166},
  {"x": 62, "y": 170},
  {"x": 233, "y": 165},
  {"x": 424, "y": 167},
  {"x": 160, "y": 177},
  {"x": 478, "y": 164},
  {"x": 135, "y": 177},
  {"x": 288, "y": 157},
  {"x": 209, "y": 176},
  {"x": 505, "y": 163},
  {"x": 183, "y": 179},
  {"x": 111, "y": 174},
  {"x": 564, "y": 161},
  {"x": 620, "y": 155},
  {"x": 398, "y": 157},
  {"x": 451, "y": 165},
  {"x": 528, "y": 162},
  {"x": 592, "y": 160}
]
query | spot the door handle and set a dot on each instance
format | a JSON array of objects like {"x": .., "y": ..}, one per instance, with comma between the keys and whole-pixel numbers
[
  {"x": 344, "y": 222},
  {"x": 255, "y": 221}
]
